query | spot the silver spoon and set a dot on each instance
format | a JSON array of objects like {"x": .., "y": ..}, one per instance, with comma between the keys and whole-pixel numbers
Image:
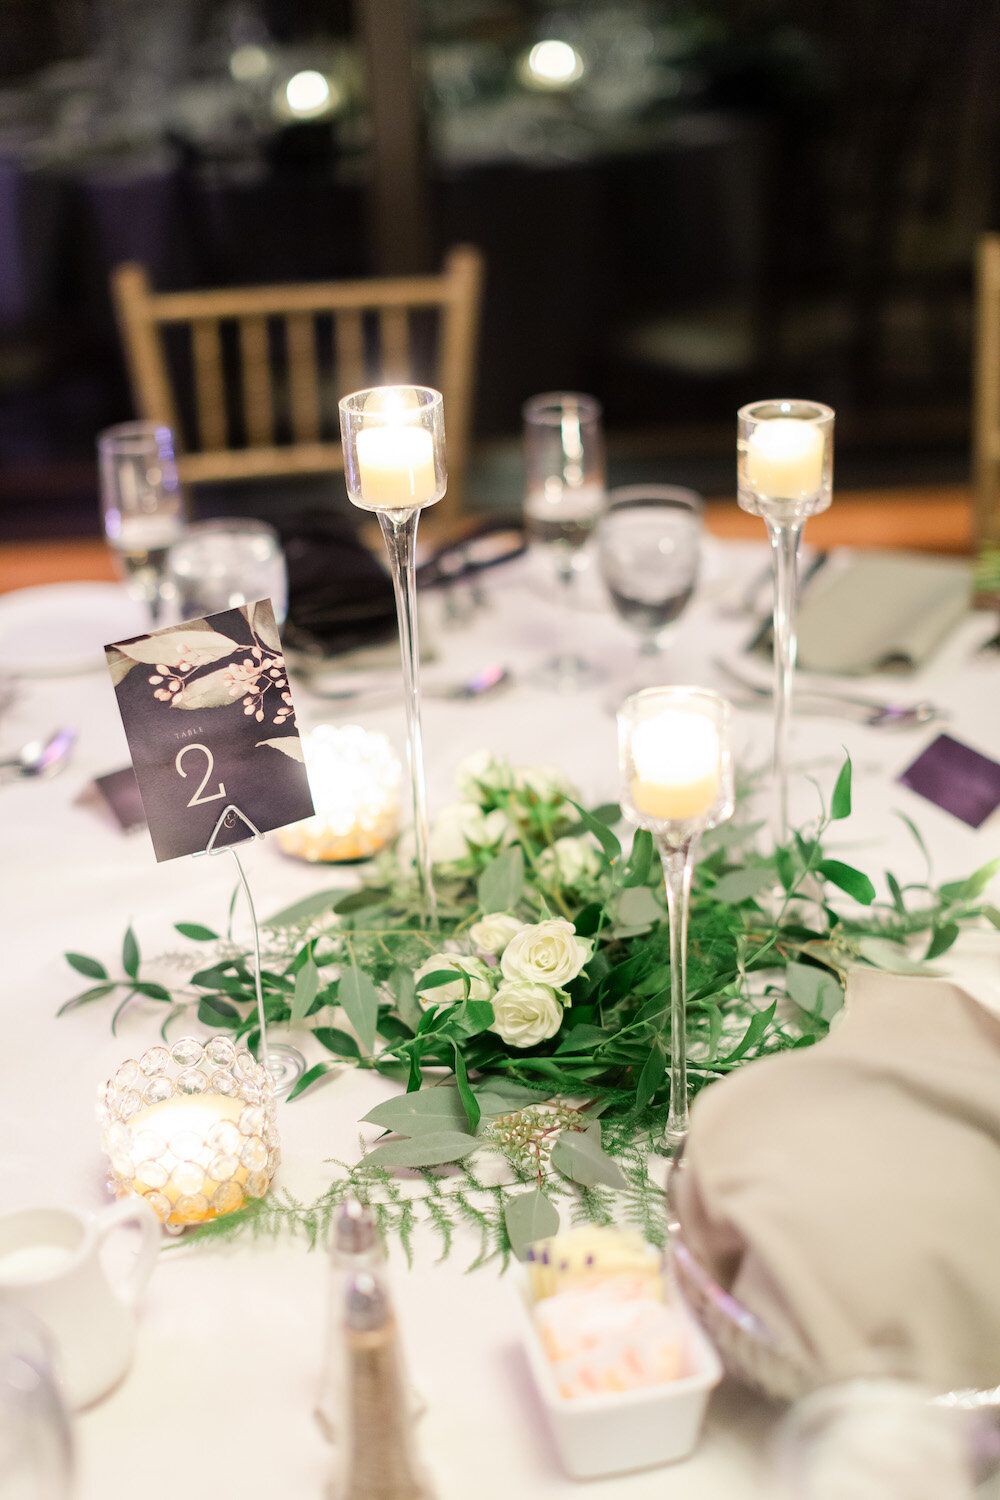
[
  {"x": 818, "y": 701},
  {"x": 40, "y": 757}
]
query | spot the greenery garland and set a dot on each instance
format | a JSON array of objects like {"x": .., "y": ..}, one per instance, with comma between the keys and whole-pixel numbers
[{"x": 534, "y": 1021}]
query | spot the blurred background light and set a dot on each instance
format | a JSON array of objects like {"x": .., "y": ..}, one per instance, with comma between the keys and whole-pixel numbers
[
  {"x": 308, "y": 94},
  {"x": 551, "y": 64},
  {"x": 249, "y": 63}
]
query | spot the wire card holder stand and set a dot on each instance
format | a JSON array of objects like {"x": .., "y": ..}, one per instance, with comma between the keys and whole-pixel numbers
[{"x": 285, "y": 1064}]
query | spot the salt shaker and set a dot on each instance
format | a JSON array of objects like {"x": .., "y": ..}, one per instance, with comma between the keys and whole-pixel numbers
[{"x": 355, "y": 1247}]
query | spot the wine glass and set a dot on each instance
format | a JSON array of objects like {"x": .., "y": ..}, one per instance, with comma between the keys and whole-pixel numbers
[
  {"x": 35, "y": 1444},
  {"x": 142, "y": 505},
  {"x": 648, "y": 547},
  {"x": 785, "y": 475},
  {"x": 676, "y": 768},
  {"x": 222, "y": 564},
  {"x": 564, "y": 463}
]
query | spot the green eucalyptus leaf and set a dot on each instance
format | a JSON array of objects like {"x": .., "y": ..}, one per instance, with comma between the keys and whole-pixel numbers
[
  {"x": 88, "y": 967},
  {"x": 337, "y": 1041},
  {"x": 815, "y": 990},
  {"x": 979, "y": 882},
  {"x": 641, "y": 860},
  {"x": 884, "y": 954},
  {"x": 602, "y": 833},
  {"x": 470, "y": 1104},
  {"x": 431, "y": 1150},
  {"x": 896, "y": 892},
  {"x": 848, "y": 879},
  {"x": 304, "y": 910},
  {"x": 637, "y": 909},
  {"x": 942, "y": 938},
  {"x": 306, "y": 985},
  {"x": 196, "y": 932},
  {"x": 503, "y": 1096},
  {"x": 98, "y": 992},
  {"x": 310, "y": 1076},
  {"x": 212, "y": 1011},
  {"x": 579, "y": 1156},
  {"x": 500, "y": 885},
  {"x": 404, "y": 996},
  {"x": 359, "y": 998},
  {"x": 840, "y": 802},
  {"x": 992, "y": 915},
  {"x": 742, "y": 885},
  {"x": 368, "y": 895},
  {"x": 433, "y": 1110},
  {"x": 151, "y": 990},
  {"x": 529, "y": 1217},
  {"x": 654, "y": 1071}
]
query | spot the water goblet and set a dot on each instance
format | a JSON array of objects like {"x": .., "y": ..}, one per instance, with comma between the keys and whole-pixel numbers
[
  {"x": 36, "y": 1459},
  {"x": 648, "y": 545},
  {"x": 564, "y": 464},
  {"x": 785, "y": 474},
  {"x": 142, "y": 505},
  {"x": 223, "y": 564},
  {"x": 676, "y": 769},
  {"x": 394, "y": 465}
]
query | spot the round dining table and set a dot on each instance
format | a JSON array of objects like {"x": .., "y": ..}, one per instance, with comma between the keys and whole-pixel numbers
[{"x": 220, "y": 1394}]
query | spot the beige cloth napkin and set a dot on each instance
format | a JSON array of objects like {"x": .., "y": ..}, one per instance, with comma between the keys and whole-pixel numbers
[
  {"x": 849, "y": 1193},
  {"x": 885, "y": 612}
]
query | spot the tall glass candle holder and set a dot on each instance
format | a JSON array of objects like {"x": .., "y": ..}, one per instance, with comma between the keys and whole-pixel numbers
[
  {"x": 785, "y": 475},
  {"x": 676, "y": 766},
  {"x": 394, "y": 464}
]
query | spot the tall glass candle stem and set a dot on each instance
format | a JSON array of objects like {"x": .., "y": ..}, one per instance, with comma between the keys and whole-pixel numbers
[
  {"x": 678, "y": 864},
  {"x": 399, "y": 528},
  {"x": 785, "y": 554}
]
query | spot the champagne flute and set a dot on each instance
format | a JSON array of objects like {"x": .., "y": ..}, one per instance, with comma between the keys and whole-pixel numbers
[
  {"x": 676, "y": 768},
  {"x": 564, "y": 463},
  {"x": 648, "y": 544},
  {"x": 394, "y": 464},
  {"x": 785, "y": 474},
  {"x": 142, "y": 506}
]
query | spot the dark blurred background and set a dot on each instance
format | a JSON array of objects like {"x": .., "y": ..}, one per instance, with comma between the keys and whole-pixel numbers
[{"x": 682, "y": 207}]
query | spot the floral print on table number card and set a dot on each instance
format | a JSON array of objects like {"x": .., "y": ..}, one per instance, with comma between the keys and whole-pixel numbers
[{"x": 210, "y": 724}]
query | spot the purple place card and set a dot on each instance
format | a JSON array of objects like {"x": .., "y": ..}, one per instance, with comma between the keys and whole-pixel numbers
[
  {"x": 956, "y": 778},
  {"x": 211, "y": 729}
]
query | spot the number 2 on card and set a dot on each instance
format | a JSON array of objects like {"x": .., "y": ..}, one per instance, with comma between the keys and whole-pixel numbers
[{"x": 197, "y": 800}]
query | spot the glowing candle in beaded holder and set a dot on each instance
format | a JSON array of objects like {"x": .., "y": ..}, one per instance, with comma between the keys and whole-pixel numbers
[
  {"x": 190, "y": 1128},
  {"x": 354, "y": 777}
]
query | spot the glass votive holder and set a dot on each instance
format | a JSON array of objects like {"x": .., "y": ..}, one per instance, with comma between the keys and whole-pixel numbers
[
  {"x": 354, "y": 776},
  {"x": 676, "y": 762},
  {"x": 784, "y": 458},
  {"x": 191, "y": 1128},
  {"x": 394, "y": 451}
]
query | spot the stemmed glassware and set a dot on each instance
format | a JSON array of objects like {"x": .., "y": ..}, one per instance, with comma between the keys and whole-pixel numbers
[
  {"x": 676, "y": 768},
  {"x": 648, "y": 545},
  {"x": 394, "y": 464},
  {"x": 564, "y": 464},
  {"x": 35, "y": 1441},
  {"x": 142, "y": 505},
  {"x": 785, "y": 474}
]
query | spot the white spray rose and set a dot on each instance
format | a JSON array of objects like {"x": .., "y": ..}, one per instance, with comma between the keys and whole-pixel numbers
[
  {"x": 481, "y": 773},
  {"x": 494, "y": 932},
  {"x": 544, "y": 784},
  {"x": 463, "y": 825},
  {"x": 546, "y": 953},
  {"x": 570, "y": 862},
  {"x": 526, "y": 1013},
  {"x": 480, "y": 980}
]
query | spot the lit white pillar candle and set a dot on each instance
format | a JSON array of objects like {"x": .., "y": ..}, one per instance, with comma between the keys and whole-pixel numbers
[
  {"x": 785, "y": 459},
  {"x": 181, "y": 1158},
  {"x": 396, "y": 466},
  {"x": 677, "y": 763}
]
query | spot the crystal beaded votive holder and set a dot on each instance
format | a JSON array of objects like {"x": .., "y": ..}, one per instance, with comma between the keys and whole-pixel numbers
[
  {"x": 354, "y": 776},
  {"x": 191, "y": 1128}
]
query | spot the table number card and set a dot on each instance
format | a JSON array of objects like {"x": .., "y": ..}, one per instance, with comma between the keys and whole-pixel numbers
[
  {"x": 957, "y": 778},
  {"x": 209, "y": 719}
]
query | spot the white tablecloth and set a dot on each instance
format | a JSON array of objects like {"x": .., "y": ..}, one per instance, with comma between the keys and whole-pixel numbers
[{"x": 219, "y": 1397}]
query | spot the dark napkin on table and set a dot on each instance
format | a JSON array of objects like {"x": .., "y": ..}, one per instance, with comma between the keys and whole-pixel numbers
[
  {"x": 339, "y": 593},
  {"x": 849, "y": 1193}
]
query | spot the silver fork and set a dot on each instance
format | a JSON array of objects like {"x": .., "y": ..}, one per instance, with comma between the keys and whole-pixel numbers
[{"x": 822, "y": 701}]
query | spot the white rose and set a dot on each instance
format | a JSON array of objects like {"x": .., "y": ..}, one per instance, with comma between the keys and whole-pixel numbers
[
  {"x": 526, "y": 1013},
  {"x": 480, "y": 983},
  {"x": 544, "y": 784},
  {"x": 494, "y": 932},
  {"x": 546, "y": 953},
  {"x": 463, "y": 825},
  {"x": 481, "y": 773},
  {"x": 570, "y": 862}
]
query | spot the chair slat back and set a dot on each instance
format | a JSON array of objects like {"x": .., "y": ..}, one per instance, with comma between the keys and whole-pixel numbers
[
  {"x": 255, "y": 353},
  {"x": 986, "y": 409}
]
